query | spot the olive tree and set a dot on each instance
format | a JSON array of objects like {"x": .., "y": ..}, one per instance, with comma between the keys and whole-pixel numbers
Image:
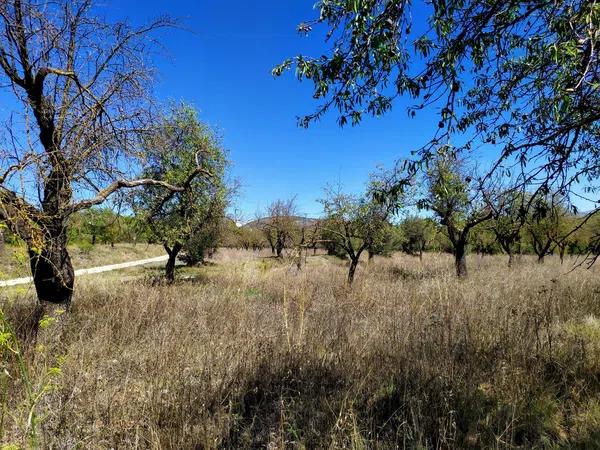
[
  {"x": 175, "y": 149},
  {"x": 81, "y": 89}
]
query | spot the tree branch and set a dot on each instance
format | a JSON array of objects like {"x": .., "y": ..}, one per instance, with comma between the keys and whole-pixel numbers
[{"x": 130, "y": 184}]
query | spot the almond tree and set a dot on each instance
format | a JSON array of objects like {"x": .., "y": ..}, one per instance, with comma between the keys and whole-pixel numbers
[
  {"x": 545, "y": 226},
  {"x": 183, "y": 220},
  {"x": 509, "y": 210},
  {"x": 82, "y": 87},
  {"x": 353, "y": 224},
  {"x": 280, "y": 227},
  {"x": 416, "y": 233},
  {"x": 458, "y": 205}
]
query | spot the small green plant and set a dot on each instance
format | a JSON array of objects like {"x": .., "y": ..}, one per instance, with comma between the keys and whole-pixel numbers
[
  {"x": 264, "y": 266},
  {"x": 85, "y": 247},
  {"x": 25, "y": 413},
  {"x": 20, "y": 255}
]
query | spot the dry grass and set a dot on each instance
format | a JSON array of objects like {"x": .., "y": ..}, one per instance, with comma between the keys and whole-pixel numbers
[
  {"x": 251, "y": 353},
  {"x": 14, "y": 262}
]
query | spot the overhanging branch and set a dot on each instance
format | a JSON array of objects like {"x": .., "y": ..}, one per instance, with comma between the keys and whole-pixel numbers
[{"x": 131, "y": 184}]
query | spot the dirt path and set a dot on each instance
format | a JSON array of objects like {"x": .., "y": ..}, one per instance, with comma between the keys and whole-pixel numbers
[{"x": 141, "y": 262}]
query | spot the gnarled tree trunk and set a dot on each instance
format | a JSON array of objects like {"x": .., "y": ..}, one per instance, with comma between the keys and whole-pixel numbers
[
  {"x": 279, "y": 249},
  {"x": 561, "y": 253},
  {"x": 52, "y": 269},
  {"x": 460, "y": 258},
  {"x": 352, "y": 269},
  {"x": 172, "y": 261}
]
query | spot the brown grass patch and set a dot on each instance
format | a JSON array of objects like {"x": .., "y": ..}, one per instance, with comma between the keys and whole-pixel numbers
[{"x": 261, "y": 355}]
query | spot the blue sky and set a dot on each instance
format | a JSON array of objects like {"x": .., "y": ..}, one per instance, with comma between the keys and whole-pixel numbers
[{"x": 222, "y": 65}]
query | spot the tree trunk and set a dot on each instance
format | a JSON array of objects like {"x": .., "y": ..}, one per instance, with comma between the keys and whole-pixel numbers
[
  {"x": 561, "y": 253},
  {"x": 352, "y": 270},
  {"x": 460, "y": 258},
  {"x": 299, "y": 258},
  {"x": 279, "y": 250},
  {"x": 272, "y": 249},
  {"x": 93, "y": 239},
  {"x": 1, "y": 241},
  {"x": 51, "y": 267},
  {"x": 371, "y": 255},
  {"x": 510, "y": 259},
  {"x": 170, "y": 267},
  {"x": 540, "y": 259}
]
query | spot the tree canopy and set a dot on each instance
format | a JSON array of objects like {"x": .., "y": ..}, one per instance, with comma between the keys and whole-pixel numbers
[
  {"x": 174, "y": 151},
  {"x": 516, "y": 78}
]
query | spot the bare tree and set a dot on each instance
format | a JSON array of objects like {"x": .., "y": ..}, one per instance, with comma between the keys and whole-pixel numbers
[
  {"x": 280, "y": 227},
  {"x": 83, "y": 89},
  {"x": 544, "y": 225},
  {"x": 509, "y": 208}
]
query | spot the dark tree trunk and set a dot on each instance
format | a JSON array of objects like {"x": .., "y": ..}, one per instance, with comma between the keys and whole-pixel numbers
[
  {"x": 171, "y": 262},
  {"x": 541, "y": 249},
  {"x": 1, "y": 241},
  {"x": 507, "y": 246},
  {"x": 272, "y": 249},
  {"x": 561, "y": 254},
  {"x": 279, "y": 249},
  {"x": 460, "y": 258},
  {"x": 51, "y": 267},
  {"x": 93, "y": 239},
  {"x": 352, "y": 269},
  {"x": 371, "y": 255}
]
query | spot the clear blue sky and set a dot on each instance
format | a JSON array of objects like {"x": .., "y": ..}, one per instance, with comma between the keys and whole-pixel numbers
[{"x": 223, "y": 65}]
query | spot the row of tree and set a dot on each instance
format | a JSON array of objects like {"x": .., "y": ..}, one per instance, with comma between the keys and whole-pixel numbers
[
  {"x": 465, "y": 213},
  {"x": 517, "y": 79}
]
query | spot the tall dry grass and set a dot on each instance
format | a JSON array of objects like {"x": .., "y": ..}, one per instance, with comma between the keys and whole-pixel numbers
[{"x": 252, "y": 353}]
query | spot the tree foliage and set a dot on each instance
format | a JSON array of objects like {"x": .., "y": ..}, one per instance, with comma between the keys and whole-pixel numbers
[
  {"x": 189, "y": 218},
  {"x": 281, "y": 227},
  {"x": 416, "y": 234},
  {"x": 353, "y": 224},
  {"x": 456, "y": 199},
  {"x": 521, "y": 78}
]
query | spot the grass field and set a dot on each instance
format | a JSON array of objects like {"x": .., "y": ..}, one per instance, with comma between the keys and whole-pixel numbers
[
  {"x": 249, "y": 352},
  {"x": 14, "y": 261}
]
